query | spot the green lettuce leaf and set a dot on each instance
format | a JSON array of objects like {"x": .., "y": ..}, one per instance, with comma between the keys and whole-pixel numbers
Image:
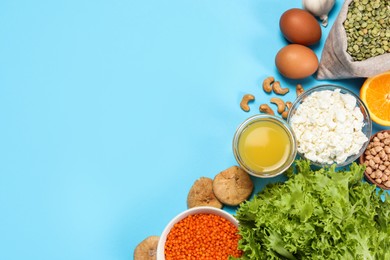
[{"x": 316, "y": 214}]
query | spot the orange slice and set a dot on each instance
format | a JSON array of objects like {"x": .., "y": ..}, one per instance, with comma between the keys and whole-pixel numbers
[{"x": 375, "y": 93}]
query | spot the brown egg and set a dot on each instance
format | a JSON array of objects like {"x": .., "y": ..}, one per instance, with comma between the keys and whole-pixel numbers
[
  {"x": 296, "y": 61},
  {"x": 300, "y": 26}
]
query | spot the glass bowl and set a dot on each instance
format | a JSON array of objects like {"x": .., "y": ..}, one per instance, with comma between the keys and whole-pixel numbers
[
  {"x": 326, "y": 133},
  {"x": 264, "y": 146}
]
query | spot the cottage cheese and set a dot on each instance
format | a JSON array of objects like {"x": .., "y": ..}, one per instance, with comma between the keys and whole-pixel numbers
[{"x": 328, "y": 127}]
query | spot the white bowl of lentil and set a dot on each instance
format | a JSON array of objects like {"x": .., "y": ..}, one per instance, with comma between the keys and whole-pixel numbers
[{"x": 199, "y": 233}]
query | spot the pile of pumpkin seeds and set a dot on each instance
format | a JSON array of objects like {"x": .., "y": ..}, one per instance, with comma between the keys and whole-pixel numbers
[{"x": 368, "y": 28}]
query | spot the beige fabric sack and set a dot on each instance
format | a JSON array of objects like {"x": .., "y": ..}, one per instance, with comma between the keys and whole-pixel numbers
[{"x": 336, "y": 63}]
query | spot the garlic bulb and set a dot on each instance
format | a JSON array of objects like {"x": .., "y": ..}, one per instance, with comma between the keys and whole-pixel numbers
[{"x": 319, "y": 8}]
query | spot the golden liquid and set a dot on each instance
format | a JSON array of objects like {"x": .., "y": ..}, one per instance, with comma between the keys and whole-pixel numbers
[{"x": 264, "y": 146}]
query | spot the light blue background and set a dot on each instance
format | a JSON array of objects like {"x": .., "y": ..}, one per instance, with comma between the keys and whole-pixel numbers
[{"x": 111, "y": 109}]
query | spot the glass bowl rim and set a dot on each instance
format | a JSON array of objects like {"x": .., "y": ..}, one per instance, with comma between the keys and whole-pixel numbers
[
  {"x": 282, "y": 123},
  {"x": 366, "y": 118}
]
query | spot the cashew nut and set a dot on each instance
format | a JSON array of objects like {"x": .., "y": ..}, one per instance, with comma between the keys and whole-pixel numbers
[
  {"x": 279, "y": 103},
  {"x": 245, "y": 100},
  {"x": 285, "y": 114},
  {"x": 266, "y": 109},
  {"x": 299, "y": 89},
  {"x": 288, "y": 106},
  {"x": 278, "y": 89},
  {"x": 267, "y": 84}
]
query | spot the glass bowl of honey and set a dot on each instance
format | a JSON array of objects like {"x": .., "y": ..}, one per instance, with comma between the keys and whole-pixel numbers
[{"x": 264, "y": 146}]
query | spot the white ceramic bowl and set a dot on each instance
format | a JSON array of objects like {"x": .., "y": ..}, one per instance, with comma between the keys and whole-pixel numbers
[{"x": 184, "y": 214}]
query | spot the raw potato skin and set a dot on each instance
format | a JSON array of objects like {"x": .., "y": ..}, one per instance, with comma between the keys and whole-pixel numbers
[
  {"x": 232, "y": 186},
  {"x": 147, "y": 249},
  {"x": 201, "y": 194}
]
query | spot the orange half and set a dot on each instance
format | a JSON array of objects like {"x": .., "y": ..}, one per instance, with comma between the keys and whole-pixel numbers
[{"x": 375, "y": 93}]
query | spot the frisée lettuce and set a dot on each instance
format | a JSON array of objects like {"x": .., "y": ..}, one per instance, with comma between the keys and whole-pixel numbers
[{"x": 316, "y": 214}]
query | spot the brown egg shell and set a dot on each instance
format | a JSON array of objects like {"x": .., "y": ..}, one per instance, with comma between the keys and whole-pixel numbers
[
  {"x": 296, "y": 61},
  {"x": 300, "y": 26}
]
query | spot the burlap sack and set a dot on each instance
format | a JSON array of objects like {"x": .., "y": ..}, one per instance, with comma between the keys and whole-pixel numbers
[{"x": 336, "y": 63}]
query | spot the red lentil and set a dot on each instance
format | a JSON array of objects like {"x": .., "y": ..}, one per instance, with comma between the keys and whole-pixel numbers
[{"x": 202, "y": 236}]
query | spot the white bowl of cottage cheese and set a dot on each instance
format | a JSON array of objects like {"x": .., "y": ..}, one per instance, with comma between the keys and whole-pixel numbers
[{"x": 331, "y": 125}]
